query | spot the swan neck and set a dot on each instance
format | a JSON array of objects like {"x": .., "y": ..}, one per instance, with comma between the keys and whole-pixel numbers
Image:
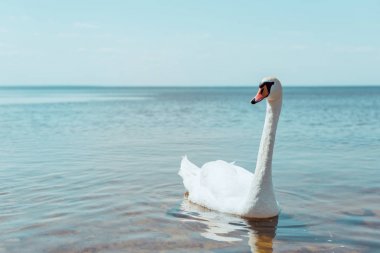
[
  {"x": 264, "y": 157},
  {"x": 261, "y": 200}
]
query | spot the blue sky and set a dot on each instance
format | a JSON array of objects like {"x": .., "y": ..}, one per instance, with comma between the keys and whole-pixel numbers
[{"x": 155, "y": 43}]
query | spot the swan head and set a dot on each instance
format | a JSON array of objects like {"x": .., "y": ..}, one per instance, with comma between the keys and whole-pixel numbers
[{"x": 270, "y": 88}]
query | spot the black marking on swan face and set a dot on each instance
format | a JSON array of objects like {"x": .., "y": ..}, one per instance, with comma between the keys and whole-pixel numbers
[{"x": 268, "y": 84}]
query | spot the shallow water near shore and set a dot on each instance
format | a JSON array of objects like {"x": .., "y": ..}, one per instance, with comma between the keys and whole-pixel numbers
[{"x": 95, "y": 169}]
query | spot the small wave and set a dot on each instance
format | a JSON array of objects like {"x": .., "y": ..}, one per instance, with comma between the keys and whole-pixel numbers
[{"x": 63, "y": 100}]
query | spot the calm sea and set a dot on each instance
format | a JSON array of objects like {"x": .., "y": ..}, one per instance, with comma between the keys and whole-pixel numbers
[{"x": 95, "y": 169}]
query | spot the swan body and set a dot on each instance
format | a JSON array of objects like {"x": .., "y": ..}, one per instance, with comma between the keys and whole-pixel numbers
[{"x": 228, "y": 188}]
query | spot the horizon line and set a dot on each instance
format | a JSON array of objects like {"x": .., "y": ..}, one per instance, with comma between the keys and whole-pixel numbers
[{"x": 175, "y": 86}]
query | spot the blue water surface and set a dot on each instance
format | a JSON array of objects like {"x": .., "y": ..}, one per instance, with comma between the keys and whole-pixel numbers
[{"x": 93, "y": 169}]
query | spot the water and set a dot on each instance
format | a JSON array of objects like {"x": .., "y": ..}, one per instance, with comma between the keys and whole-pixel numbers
[{"x": 95, "y": 169}]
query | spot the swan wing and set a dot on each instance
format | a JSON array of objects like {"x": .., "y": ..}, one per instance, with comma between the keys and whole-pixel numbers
[
  {"x": 225, "y": 180},
  {"x": 218, "y": 185},
  {"x": 189, "y": 173}
]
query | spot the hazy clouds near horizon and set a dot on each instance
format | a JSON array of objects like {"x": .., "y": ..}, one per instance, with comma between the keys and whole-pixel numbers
[{"x": 165, "y": 43}]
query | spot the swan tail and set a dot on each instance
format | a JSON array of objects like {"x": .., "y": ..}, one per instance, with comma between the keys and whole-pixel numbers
[{"x": 189, "y": 172}]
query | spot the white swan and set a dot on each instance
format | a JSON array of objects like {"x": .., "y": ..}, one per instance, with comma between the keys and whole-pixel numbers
[{"x": 228, "y": 188}]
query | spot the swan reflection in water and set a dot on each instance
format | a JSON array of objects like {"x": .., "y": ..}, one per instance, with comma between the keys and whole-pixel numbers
[{"x": 228, "y": 228}]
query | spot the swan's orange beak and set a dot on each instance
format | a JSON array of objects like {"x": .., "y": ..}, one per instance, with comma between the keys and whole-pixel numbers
[{"x": 261, "y": 94}]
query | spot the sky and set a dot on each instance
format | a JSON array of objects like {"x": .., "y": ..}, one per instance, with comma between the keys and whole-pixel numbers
[{"x": 189, "y": 43}]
